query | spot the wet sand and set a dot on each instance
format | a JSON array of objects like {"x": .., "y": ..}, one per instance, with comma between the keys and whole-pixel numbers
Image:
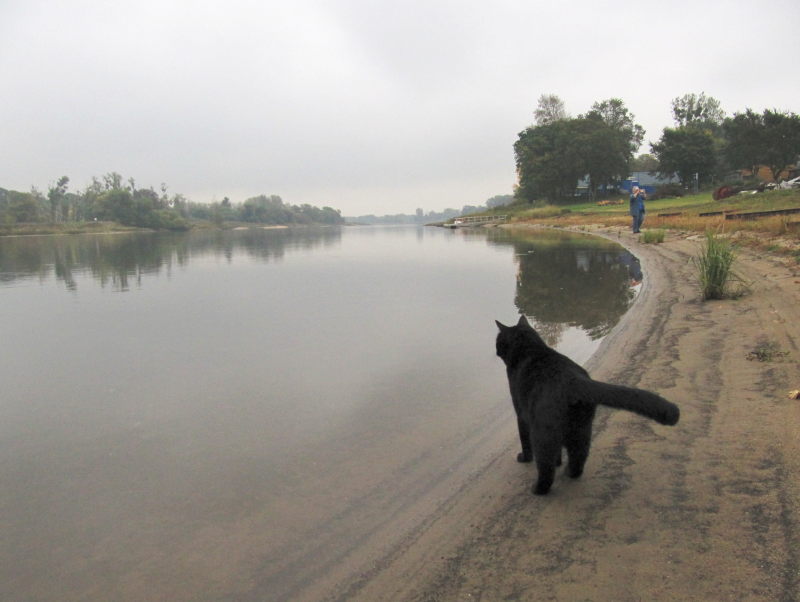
[{"x": 706, "y": 510}]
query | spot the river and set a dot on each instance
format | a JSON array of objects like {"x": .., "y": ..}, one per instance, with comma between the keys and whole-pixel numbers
[{"x": 261, "y": 414}]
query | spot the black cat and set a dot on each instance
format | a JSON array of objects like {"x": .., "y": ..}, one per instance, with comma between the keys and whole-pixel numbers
[{"x": 555, "y": 400}]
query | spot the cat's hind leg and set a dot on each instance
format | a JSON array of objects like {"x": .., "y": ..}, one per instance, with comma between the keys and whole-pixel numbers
[
  {"x": 578, "y": 441},
  {"x": 548, "y": 453},
  {"x": 526, "y": 455}
]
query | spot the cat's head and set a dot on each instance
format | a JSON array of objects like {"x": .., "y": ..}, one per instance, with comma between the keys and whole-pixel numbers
[{"x": 512, "y": 339}]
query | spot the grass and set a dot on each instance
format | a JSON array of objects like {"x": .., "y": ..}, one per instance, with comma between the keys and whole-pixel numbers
[
  {"x": 766, "y": 351},
  {"x": 544, "y": 212},
  {"x": 781, "y": 232},
  {"x": 653, "y": 236},
  {"x": 688, "y": 207},
  {"x": 715, "y": 268}
]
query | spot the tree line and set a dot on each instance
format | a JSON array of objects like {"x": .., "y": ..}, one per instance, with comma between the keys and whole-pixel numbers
[
  {"x": 429, "y": 217},
  {"x": 111, "y": 198},
  {"x": 703, "y": 147}
]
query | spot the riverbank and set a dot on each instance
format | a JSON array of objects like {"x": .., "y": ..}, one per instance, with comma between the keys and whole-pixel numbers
[
  {"x": 708, "y": 509},
  {"x": 48, "y": 229}
]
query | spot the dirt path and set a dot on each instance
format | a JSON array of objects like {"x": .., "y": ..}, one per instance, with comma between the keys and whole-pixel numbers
[{"x": 706, "y": 510}]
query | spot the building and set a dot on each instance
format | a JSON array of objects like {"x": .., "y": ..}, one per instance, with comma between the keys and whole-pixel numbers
[
  {"x": 646, "y": 180},
  {"x": 642, "y": 179}
]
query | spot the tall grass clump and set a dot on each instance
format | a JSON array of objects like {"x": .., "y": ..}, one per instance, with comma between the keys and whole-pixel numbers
[
  {"x": 653, "y": 236},
  {"x": 715, "y": 268}
]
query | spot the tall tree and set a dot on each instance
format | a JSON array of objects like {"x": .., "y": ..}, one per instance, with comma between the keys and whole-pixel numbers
[
  {"x": 613, "y": 138},
  {"x": 603, "y": 152},
  {"x": 550, "y": 109},
  {"x": 771, "y": 139},
  {"x": 687, "y": 152},
  {"x": 56, "y": 196},
  {"x": 617, "y": 116},
  {"x": 782, "y": 135},
  {"x": 549, "y": 160},
  {"x": 697, "y": 110},
  {"x": 745, "y": 143},
  {"x": 112, "y": 181}
]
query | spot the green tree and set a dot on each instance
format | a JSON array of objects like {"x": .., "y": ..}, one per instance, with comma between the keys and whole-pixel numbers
[
  {"x": 745, "y": 142},
  {"x": 644, "y": 162},
  {"x": 687, "y": 152},
  {"x": 782, "y": 135},
  {"x": 549, "y": 160},
  {"x": 138, "y": 207},
  {"x": 112, "y": 181},
  {"x": 550, "y": 108},
  {"x": 23, "y": 206},
  {"x": 602, "y": 151},
  {"x": 698, "y": 110},
  {"x": 117, "y": 204},
  {"x": 771, "y": 138},
  {"x": 56, "y": 197},
  {"x": 616, "y": 115},
  {"x": 611, "y": 138}
]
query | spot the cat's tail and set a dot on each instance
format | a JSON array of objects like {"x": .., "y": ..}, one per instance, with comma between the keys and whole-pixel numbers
[{"x": 639, "y": 401}]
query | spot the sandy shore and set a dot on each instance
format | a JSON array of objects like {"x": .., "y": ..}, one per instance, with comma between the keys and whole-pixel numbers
[{"x": 706, "y": 510}]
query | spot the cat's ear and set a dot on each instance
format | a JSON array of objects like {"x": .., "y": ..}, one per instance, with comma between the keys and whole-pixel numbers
[
  {"x": 523, "y": 321},
  {"x": 502, "y": 327}
]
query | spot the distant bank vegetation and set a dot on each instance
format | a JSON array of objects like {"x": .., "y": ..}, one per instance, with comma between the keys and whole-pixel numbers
[
  {"x": 705, "y": 149},
  {"x": 110, "y": 198},
  {"x": 429, "y": 217}
]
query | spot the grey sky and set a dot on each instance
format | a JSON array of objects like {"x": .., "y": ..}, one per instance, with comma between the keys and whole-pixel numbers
[{"x": 366, "y": 106}]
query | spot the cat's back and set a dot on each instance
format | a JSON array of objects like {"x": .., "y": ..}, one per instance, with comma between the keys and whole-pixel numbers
[{"x": 545, "y": 365}]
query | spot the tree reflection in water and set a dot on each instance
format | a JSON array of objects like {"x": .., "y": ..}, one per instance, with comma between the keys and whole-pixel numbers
[
  {"x": 118, "y": 260},
  {"x": 570, "y": 280}
]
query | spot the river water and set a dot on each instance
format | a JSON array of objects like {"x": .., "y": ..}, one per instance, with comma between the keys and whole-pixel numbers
[{"x": 259, "y": 414}]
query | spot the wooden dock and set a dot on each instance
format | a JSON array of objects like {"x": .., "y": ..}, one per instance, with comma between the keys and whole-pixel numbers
[{"x": 471, "y": 221}]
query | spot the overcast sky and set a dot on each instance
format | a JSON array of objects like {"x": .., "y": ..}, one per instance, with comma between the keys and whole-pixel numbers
[{"x": 363, "y": 105}]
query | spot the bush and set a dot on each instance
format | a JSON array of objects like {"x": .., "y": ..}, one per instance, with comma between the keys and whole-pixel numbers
[{"x": 668, "y": 191}]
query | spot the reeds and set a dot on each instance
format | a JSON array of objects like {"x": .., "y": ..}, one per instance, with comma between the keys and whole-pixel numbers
[{"x": 715, "y": 269}]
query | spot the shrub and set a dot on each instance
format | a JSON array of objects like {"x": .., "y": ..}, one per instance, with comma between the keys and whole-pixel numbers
[
  {"x": 715, "y": 268},
  {"x": 668, "y": 191},
  {"x": 653, "y": 236}
]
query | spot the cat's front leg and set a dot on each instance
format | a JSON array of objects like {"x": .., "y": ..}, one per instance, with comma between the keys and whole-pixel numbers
[{"x": 526, "y": 455}]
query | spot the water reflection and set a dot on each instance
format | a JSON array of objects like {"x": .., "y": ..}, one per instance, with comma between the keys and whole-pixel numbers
[
  {"x": 564, "y": 280},
  {"x": 243, "y": 426},
  {"x": 120, "y": 260},
  {"x": 568, "y": 280}
]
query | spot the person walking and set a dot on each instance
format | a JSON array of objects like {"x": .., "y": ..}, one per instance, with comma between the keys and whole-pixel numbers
[{"x": 638, "y": 196}]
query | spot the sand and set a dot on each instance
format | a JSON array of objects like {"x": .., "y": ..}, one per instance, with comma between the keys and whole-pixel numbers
[{"x": 706, "y": 510}]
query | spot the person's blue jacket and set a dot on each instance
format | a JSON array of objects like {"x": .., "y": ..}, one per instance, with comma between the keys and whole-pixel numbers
[{"x": 637, "y": 203}]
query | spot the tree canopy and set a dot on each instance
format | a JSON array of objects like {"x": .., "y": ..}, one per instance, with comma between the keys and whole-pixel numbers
[
  {"x": 554, "y": 154},
  {"x": 771, "y": 138},
  {"x": 697, "y": 110},
  {"x": 703, "y": 146},
  {"x": 550, "y": 108},
  {"x": 114, "y": 199},
  {"x": 687, "y": 152}
]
